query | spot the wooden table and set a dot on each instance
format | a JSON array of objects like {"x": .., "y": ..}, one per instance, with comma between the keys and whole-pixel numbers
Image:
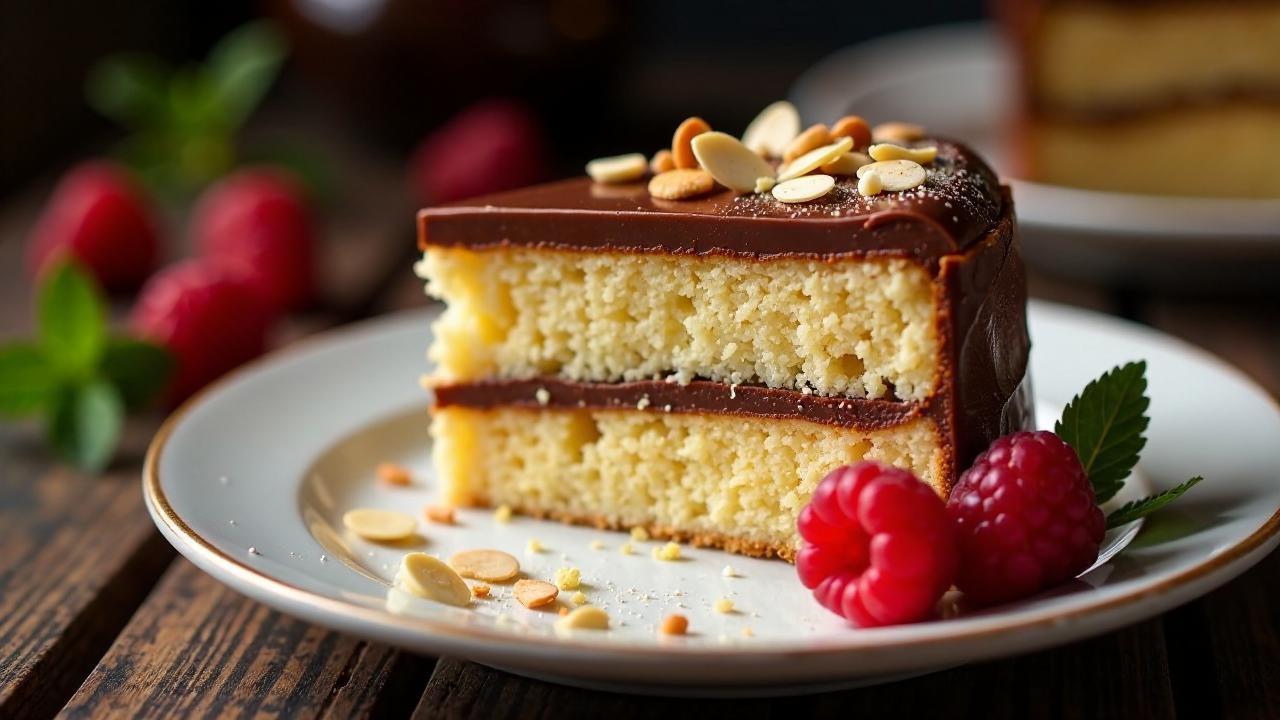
[{"x": 100, "y": 618}]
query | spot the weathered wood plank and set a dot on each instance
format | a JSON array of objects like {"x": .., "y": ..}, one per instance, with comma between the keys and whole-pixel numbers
[{"x": 195, "y": 648}]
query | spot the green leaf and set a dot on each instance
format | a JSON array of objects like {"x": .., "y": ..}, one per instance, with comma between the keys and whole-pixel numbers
[
  {"x": 139, "y": 370},
  {"x": 73, "y": 321},
  {"x": 1105, "y": 425},
  {"x": 1131, "y": 511},
  {"x": 84, "y": 428},
  {"x": 27, "y": 383},
  {"x": 242, "y": 66},
  {"x": 130, "y": 89}
]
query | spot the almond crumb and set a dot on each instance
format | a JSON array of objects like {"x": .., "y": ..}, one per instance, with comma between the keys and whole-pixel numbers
[
  {"x": 723, "y": 605},
  {"x": 675, "y": 624},
  {"x": 748, "y": 632},
  {"x": 502, "y": 514},
  {"x": 597, "y": 544},
  {"x": 625, "y": 548},
  {"x": 563, "y": 611},
  {"x": 534, "y": 546},
  {"x": 480, "y": 590},
  {"x": 394, "y": 474},
  {"x": 440, "y": 514}
]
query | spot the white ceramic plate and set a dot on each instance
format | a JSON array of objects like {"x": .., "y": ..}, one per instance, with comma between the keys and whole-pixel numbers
[
  {"x": 959, "y": 80},
  {"x": 250, "y": 481}
]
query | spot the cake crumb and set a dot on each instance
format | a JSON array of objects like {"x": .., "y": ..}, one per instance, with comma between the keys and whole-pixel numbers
[
  {"x": 568, "y": 578},
  {"x": 542, "y": 396},
  {"x": 502, "y": 514},
  {"x": 639, "y": 534},
  {"x": 480, "y": 590},
  {"x": 579, "y": 598},
  {"x": 534, "y": 546},
  {"x": 597, "y": 544},
  {"x": 643, "y": 402},
  {"x": 625, "y": 548},
  {"x": 728, "y": 571},
  {"x": 748, "y": 632},
  {"x": 253, "y": 550},
  {"x": 668, "y": 552},
  {"x": 723, "y": 605},
  {"x": 675, "y": 624}
]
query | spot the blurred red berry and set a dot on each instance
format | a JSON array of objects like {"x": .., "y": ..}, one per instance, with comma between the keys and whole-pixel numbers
[
  {"x": 98, "y": 216},
  {"x": 256, "y": 222},
  {"x": 491, "y": 146},
  {"x": 207, "y": 316}
]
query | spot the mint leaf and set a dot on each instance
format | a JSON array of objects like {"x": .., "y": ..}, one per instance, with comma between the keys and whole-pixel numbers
[
  {"x": 242, "y": 66},
  {"x": 1131, "y": 511},
  {"x": 27, "y": 383},
  {"x": 131, "y": 89},
  {"x": 137, "y": 369},
  {"x": 1105, "y": 425},
  {"x": 73, "y": 321},
  {"x": 85, "y": 425}
]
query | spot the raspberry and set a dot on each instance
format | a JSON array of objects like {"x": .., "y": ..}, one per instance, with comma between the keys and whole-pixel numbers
[
  {"x": 97, "y": 216},
  {"x": 207, "y": 316},
  {"x": 879, "y": 547},
  {"x": 491, "y": 146},
  {"x": 1025, "y": 518},
  {"x": 256, "y": 222}
]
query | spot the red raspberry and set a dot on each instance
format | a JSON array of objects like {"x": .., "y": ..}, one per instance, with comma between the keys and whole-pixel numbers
[
  {"x": 1025, "y": 518},
  {"x": 491, "y": 146},
  {"x": 256, "y": 222},
  {"x": 879, "y": 546},
  {"x": 97, "y": 216},
  {"x": 207, "y": 316}
]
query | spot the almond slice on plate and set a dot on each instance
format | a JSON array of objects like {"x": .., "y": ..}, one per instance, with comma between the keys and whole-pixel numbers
[
  {"x": 379, "y": 525},
  {"x": 773, "y": 129},
  {"x": 425, "y": 576},
  {"x": 535, "y": 593},
  {"x": 897, "y": 132},
  {"x": 681, "y": 184},
  {"x": 889, "y": 151},
  {"x": 730, "y": 162},
  {"x": 847, "y": 164},
  {"x": 815, "y": 159},
  {"x": 486, "y": 565},
  {"x": 895, "y": 175},
  {"x": 852, "y": 126},
  {"x": 618, "y": 169},
  {"x": 803, "y": 189},
  {"x": 681, "y": 152}
]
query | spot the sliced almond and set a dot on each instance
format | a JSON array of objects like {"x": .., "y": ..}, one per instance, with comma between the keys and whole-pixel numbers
[
  {"x": 681, "y": 184},
  {"x": 618, "y": 169},
  {"x": 897, "y": 132},
  {"x": 535, "y": 593},
  {"x": 486, "y": 565},
  {"x": 773, "y": 129},
  {"x": 846, "y": 164},
  {"x": 804, "y": 189},
  {"x": 869, "y": 184},
  {"x": 814, "y": 136},
  {"x": 729, "y": 161},
  {"x": 852, "y": 126},
  {"x": 889, "y": 151},
  {"x": 895, "y": 175},
  {"x": 587, "y": 617},
  {"x": 425, "y": 576},
  {"x": 681, "y": 151},
  {"x": 815, "y": 159},
  {"x": 662, "y": 161},
  {"x": 380, "y": 525}
]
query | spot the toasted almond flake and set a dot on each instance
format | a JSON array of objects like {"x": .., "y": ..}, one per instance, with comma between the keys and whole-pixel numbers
[
  {"x": 502, "y": 514},
  {"x": 427, "y": 577},
  {"x": 587, "y": 617},
  {"x": 535, "y": 593},
  {"x": 852, "y": 126},
  {"x": 897, "y": 132},
  {"x": 394, "y": 474},
  {"x": 895, "y": 175},
  {"x": 674, "y": 624},
  {"x": 815, "y": 159},
  {"x": 486, "y": 564},
  {"x": 439, "y": 514},
  {"x": 773, "y": 129},
  {"x": 380, "y": 525},
  {"x": 804, "y": 189},
  {"x": 568, "y": 578},
  {"x": 815, "y": 136},
  {"x": 869, "y": 184},
  {"x": 662, "y": 161},
  {"x": 765, "y": 184},
  {"x": 889, "y": 151},
  {"x": 729, "y": 161},
  {"x": 846, "y": 164},
  {"x": 723, "y": 605},
  {"x": 681, "y": 142},
  {"x": 681, "y": 184},
  {"x": 480, "y": 590},
  {"x": 618, "y": 169}
]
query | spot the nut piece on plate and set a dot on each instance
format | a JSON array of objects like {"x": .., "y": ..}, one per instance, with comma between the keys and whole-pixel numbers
[
  {"x": 804, "y": 189},
  {"x": 765, "y": 184},
  {"x": 380, "y": 525},
  {"x": 674, "y": 624},
  {"x": 815, "y": 136},
  {"x": 681, "y": 184},
  {"x": 852, "y": 126},
  {"x": 662, "y": 161},
  {"x": 729, "y": 161},
  {"x": 681, "y": 150},
  {"x": 480, "y": 590},
  {"x": 846, "y": 164},
  {"x": 815, "y": 159},
  {"x": 618, "y": 169},
  {"x": 535, "y": 593},
  {"x": 425, "y": 576},
  {"x": 895, "y": 175},
  {"x": 394, "y": 474},
  {"x": 440, "y": 514},
  {"x": 773, "y": 129},
  {"x": 869, "y": 184},
  {"x": 889, "y": 151},
  {"x": 897, "y": 132},
  {"x": 487, "y": 565},
  {"x": 587, "y": 617}
]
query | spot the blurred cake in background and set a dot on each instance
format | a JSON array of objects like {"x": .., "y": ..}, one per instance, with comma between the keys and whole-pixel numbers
[{"x": 1170, "y": 98}]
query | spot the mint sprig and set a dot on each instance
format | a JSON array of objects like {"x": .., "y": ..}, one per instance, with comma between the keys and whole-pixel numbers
[
  {"x": 1106, "y": 424},
  {"x": 81, "y": 380}
]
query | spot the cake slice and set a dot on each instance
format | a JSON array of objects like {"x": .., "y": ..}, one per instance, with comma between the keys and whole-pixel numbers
[{"x": 695, "y": 366}]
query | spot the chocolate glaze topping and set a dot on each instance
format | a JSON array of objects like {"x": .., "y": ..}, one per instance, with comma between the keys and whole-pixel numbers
[{"x": 955, "y": 207}]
